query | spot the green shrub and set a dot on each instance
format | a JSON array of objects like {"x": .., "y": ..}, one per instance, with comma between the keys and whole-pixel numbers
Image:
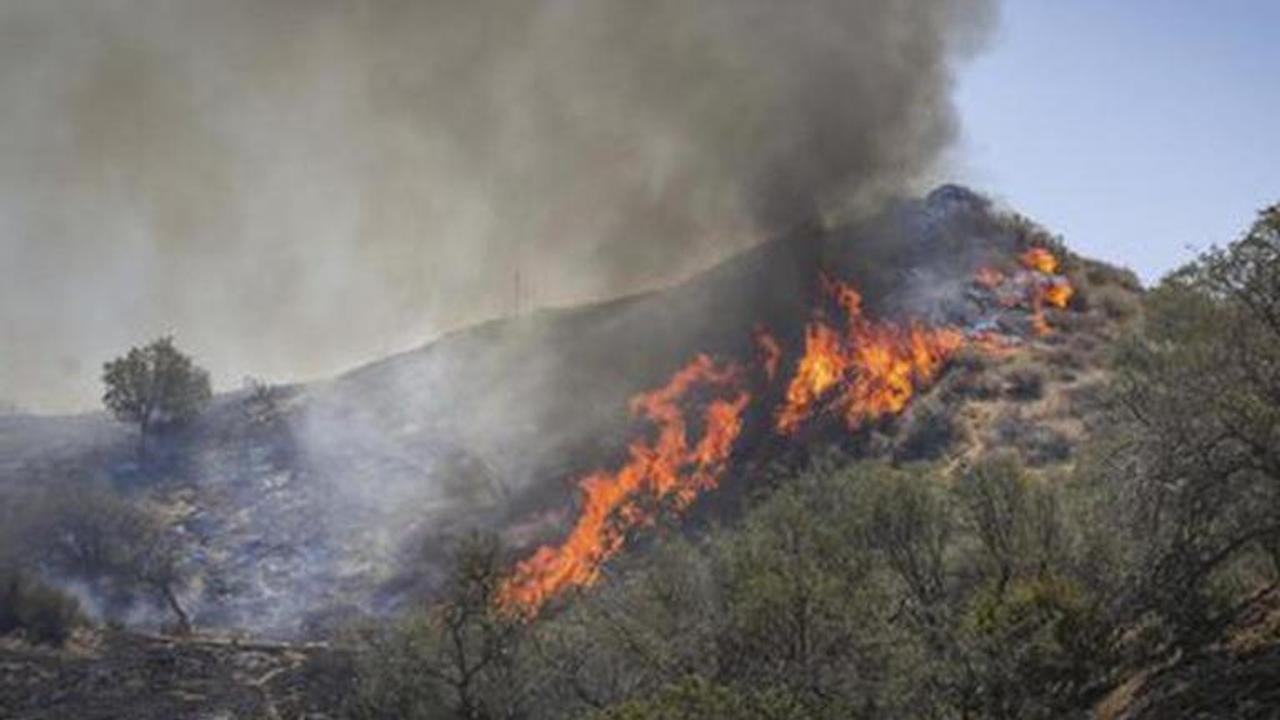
[
  {"x": 1037, "y": 645},
  {"x": 1100, "y": 274},
  {"x": 1116, "y": 303},
  {"x": 1036, "y": 444},
  {"x": 696, "y": 698}
]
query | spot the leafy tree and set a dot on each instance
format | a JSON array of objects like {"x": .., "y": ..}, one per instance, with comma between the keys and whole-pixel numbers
[
  {"x": 996, "y": 589},
  {"x": 112, "y": 544},
  {"x": 155, "y": 386},
  {"x": 456, "y": 659},
  {"x": 1197, "y": 431}
]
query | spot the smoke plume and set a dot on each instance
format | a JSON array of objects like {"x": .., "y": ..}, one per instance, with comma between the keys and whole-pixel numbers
[{"x": 294, "y": 186}]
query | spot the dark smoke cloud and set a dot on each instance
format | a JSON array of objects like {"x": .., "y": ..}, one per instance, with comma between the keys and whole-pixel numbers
[{"x": 294, "y": 186}]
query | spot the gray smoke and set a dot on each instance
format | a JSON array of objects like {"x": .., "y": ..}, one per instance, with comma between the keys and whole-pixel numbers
[{"x": 294, "y": 186}]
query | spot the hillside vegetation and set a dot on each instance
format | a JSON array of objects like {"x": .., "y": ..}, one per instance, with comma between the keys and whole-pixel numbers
[
  {"x": 1118, "y": 559},
  {"x": 1082, "y": 525}
]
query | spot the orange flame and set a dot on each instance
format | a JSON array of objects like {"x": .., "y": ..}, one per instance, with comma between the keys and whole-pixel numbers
[
  {"x": 821, "y": 367},
  {"x": 1040, "y": 260},
  {"x": 1059, "y": 294},
  {"x": 1056, "y": 291},
  {"x": 666, "y": 468},
  {"x": 862, "y": 371},
  {"x": 879, "y": 365}
]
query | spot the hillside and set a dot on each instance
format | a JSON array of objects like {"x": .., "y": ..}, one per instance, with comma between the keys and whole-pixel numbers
[
  {"x": 307, "y": 500},
  {"x": 971, "y": 534}
]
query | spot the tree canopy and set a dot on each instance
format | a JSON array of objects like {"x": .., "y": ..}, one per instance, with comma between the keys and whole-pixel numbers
[{"x": 154, "y": 386}]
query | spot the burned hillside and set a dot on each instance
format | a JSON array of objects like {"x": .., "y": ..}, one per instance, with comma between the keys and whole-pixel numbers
[{"x": 313, "y": 500}]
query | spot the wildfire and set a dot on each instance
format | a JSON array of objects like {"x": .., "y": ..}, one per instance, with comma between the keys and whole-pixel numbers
[
  {"x": 876, "y": 366},
  {"x": 859, "y": 369},
  {"x": 1058, "y": 294},
  {"x": 667, "y": 469},
  {"x": 1040, "y": 260},
  {"x": 1051, "y": 290}
]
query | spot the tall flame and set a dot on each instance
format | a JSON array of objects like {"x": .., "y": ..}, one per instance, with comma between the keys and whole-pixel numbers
[
  {"x": 666, "y": 469},
  {"x": 876, "y": 365}
]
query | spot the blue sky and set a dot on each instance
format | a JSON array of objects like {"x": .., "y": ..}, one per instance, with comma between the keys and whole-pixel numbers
[{"x": 1136, "y": 129}]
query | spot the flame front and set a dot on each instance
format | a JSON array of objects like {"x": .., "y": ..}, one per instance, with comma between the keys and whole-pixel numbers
[
  {"x": 667, "y": 469},
  {"x": 860, "y": 370},
  {"x": 877, "y": 366}
]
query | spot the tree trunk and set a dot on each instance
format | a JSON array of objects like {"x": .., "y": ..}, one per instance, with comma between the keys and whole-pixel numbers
[
  {"x": 143, "y": 427},
  {"x": 170, "y": 599}
]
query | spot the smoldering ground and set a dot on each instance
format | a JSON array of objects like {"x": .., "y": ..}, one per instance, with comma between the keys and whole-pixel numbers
[{"x": 294, "y": 187}]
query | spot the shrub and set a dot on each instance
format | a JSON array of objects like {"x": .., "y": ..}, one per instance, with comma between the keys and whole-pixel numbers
[
  {"x": 1037, "y": 644},
  {"x": 42, "y": 612},
  {"x": 1025, "y": 382},
  {"x": 970, "y": 375},
  {"x": 1036, "y": 443},
  {"x": 1101, "y": 274},
  {"x": 932, "y": 429},
  {"x": 457, "y": 658},
  {"x": 1117, "y": 303},
  {"x": 696, "y": 698},
  {"x": 1069, "y": 357},
  {"x": 1075, "y": 324},
  {"x": 971, "y": 359}
]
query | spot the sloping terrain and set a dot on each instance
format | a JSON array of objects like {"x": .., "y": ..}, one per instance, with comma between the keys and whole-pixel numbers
[
  {"x": 307, "y": 506},
  {"x": 1237, "y": 677},
  {"x": 307, "y": 502},
  {"x": 104, "y": 675}
]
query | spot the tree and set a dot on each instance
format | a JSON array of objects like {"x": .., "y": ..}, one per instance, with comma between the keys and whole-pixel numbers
[
  {"x": 456, "y": 659},
  {"x": 111, "y": 544},
  {"x": 1196, "y": 431},
  {"x": 155, "y": 386}
]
